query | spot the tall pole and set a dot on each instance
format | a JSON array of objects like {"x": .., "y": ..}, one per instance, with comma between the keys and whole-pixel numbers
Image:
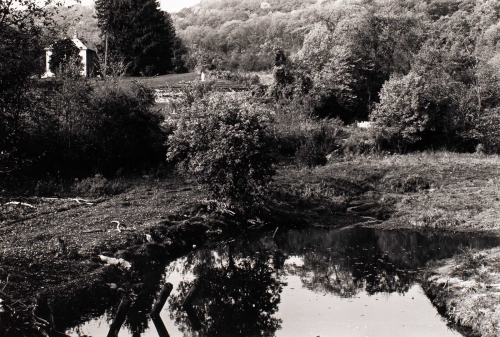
[{"x": 106, "y": 56}]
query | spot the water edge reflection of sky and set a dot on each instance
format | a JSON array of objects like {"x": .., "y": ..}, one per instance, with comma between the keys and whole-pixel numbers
[{"x": 354, "y": 282}]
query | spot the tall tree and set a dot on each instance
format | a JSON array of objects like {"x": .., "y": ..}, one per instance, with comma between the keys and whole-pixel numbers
[
  {"x": 138, "y": 32},
  {"x": 20, "y": 52}
]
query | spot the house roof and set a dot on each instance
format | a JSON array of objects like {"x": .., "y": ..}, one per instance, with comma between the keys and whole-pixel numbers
[{"x": 78, "y": 43}]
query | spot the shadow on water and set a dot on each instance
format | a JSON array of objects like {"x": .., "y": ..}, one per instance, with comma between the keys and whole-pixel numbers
[{"x": 235, "y": 289}]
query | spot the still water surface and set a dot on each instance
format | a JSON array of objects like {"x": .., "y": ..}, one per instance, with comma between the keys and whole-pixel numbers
[{"x": 313, "y": 282}]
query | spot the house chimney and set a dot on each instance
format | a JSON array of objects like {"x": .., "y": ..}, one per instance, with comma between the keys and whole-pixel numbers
[{"x": 76, "y": 34}]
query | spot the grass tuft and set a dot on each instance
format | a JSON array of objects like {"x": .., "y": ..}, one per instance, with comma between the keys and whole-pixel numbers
[{"x": 468, "y": 288}]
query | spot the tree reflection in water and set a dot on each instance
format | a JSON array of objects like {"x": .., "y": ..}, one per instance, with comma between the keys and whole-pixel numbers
[
  {"x": 239, "y": 285},
  {"x": 344, "y": 262},
  {"x": 238, "y": 293}
]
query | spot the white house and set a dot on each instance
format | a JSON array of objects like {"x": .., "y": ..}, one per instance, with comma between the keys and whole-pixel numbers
[{"x": 89, "y": 58}]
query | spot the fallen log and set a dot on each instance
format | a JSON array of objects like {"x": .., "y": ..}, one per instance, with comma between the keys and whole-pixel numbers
[{"x": 19, "y": 203}]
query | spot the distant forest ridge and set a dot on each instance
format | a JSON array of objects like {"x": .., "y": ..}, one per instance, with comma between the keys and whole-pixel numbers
[{"x": 241, "y": 34}]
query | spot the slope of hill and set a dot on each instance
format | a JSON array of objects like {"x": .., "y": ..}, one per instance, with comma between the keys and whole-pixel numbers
[
  {"x": 241, "y": 34},
  {"x": 78, "y": 19}
]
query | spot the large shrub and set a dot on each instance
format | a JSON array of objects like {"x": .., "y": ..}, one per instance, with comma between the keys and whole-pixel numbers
[
  {"x": 65, "y": 58},
  {"x": 76, "y": 128},
  {"x": 224, "y": 142},
  {"x": 404, "y": 108},
  {"x": 127, "y": 130}
]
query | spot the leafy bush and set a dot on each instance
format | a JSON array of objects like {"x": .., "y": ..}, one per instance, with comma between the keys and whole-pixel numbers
[
  {"x": 487, "y": 131},
  {"x": 193, "y": 91},
  {"x": 127, "y": 132},
  {"x": 404, "y": 108},
  {"x": 360, "y": 141},
  {"x": 224, "y": 142},
  {"x": 319, "y": 144},
  {"x": 98, "y": 186}
]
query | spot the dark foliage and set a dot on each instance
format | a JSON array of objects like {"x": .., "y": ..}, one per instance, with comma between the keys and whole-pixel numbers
[
  {"x": 20, "y": 52},
  {"x": 71, "y": 128},
  {"x": 318, "y": 145},
  {"x": 142, "y": 34}
]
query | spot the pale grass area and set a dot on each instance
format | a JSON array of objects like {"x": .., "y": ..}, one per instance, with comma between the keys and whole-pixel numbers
[
  {"x": 430, "y": 190},
  {"x": 463, "y": 191},
  {"x": 468, "y": 286}
]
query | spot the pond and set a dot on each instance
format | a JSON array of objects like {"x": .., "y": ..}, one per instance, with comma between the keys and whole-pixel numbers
[{"x": 312, "y": 282}]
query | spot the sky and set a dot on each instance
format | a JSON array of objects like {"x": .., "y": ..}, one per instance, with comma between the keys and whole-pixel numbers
[{"x": 167, "y": 5}]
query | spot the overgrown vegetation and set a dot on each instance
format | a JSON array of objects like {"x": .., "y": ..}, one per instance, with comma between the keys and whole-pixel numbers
[
  {"x": 74, "y": 128},
  {"x": 435, "y": 86},
  {"x": 65, "y": 58},
  {"x": 467, "y": 287},
  {"x": 225, "y": 143}
]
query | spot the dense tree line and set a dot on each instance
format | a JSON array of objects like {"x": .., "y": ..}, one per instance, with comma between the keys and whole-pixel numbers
[{"x": 425, "y": 71}]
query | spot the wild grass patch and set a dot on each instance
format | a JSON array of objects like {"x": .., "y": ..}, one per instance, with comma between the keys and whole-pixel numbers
[
  {"x": 468, "y": 286},
  {"x": 98, "y": 185},
  {"x": 428, "y": 191},
  {"x": 410, "y": 184}
]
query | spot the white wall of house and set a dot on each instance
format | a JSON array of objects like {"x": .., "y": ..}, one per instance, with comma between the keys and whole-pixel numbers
[
  {"x": 48, "y": 73},
  {"x": 83, "y": 53}
]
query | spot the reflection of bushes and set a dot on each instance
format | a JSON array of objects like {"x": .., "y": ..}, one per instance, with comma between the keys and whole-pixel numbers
[{"x": 235, "y": 298}]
